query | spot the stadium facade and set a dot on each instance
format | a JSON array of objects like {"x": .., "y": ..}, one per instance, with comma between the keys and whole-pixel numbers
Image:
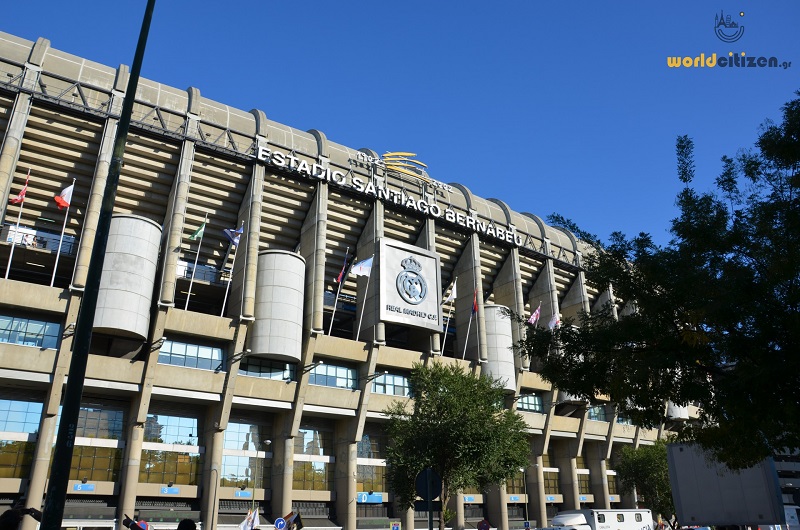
[{"x": 223, "y": 376}]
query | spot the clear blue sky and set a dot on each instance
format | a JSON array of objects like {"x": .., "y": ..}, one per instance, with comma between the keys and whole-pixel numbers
[{"x": 564, "y": 107}]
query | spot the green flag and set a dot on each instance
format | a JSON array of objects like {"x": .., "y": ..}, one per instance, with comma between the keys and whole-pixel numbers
[{"x": 198, "y": 232}]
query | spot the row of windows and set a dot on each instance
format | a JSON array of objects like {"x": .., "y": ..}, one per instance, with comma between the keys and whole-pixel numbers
[
  {"x": 191, "y": 355},
  {"x": 163, "y": 428},
  {"x": 29, "y": 332}
]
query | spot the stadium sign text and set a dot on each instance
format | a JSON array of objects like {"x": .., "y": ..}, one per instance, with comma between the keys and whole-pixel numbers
[{"x": 316, "y": 171}]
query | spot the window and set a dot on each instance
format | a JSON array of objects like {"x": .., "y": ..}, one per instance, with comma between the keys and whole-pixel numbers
[
  {"x": 191, "y": 355},
  {"x": 612, "y": 485},
  {"x": 240, "y": 466},
  {"x": 623, "y": 418},
  {"x": 312, "y": 441},
  {"x": 597, "y": 413},
  {"x": 391, "y": 384},
  {"x": 372, "y": 445},
  {"x": 334, "y": 376},
  {"x": 16, "y": 458},
  {"x": 551, "y": 483},
  {"x": 161, "y": 428},
  {"x": 20, "y": 416},
  {"x": 530, "y": 403},
  {"x": 638, "y": 517},
  {"x": 96, "y": 421},
  {"x": 584, "y": 486},
  {"x": 163, "y": 467},
  {"x": 29, "y": 332},
  {"x": 371, "y": 478},
  {"x": 620, "y": 518},
  {"x": 516, "y": 484},
  {"x": 267, "y": 369},
  {"x": 312, "y": 476},
  {"x": 601, "y": 518}
]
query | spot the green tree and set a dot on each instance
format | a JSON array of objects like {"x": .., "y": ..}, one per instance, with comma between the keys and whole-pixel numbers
[
  {"x": 455, "y": 424},
  {"x": 645, "y": 469},
  {"x": 716, "y": 312}
]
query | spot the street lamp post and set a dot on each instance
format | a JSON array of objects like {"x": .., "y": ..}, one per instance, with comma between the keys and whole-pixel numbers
[{"x": 525, "y": 489}]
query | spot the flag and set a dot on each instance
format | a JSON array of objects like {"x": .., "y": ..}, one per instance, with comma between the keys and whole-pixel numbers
[
  {"x": 21, "y": 195},
  {"x": 233, "y": 234},
  {"x": 362, "y": 268},
  {"x": 341, "y": 272},
  {"x": 199, "y": 233},
  {"x": 475, "y": 301},
  {"x": 293, "y": 520},
  {"x": 554, "y": 322},
  {"x": 251, "y": 521},
  {"x": 535, "y": 315},
  {"x": 452, "y": 295},
  {"x": 65, "y": 197}
]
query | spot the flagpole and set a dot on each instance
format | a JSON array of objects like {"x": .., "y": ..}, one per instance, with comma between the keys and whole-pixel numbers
[
  {"x": 339, "y": 291},
  {"x": 14, "y": 238},
  {"x": 228, "y": 287},
  {"x": 61, "y": 240},
  {"x": 449, "y": 314},
  {"x": 466, "y": 339},
  {"x": 363, "y": 305},
  {"x": 194, "y": 268}
]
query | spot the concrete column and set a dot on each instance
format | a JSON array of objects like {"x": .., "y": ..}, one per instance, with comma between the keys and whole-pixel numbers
[
  {"x": 538, "y": 501},
  {"x": 495, "y": 500},
  {"x": 345, "y": 480},
  {"x": 313, "y": 239},
  {"x": 408, "y": 517},
  {"x": 468, "y": 270},
  {"x": 12, "y": 142},
  {"x": 95, "y": 200},
  {"x": 600, "y": 483},
  {"x": 544, "y": 289},
  {"x": 173, "y": 233},
  {"x": 424, "y": 340},
  {"x": 40, "y": 467},
  {"x": 282, "y": 469},
  {"x": 508, "y": 292},
  {"x": 576, "y": 299},
  {"x": 367, "y": 308},
  {"x": 243, "y": 288},
  {"x": 456, "y": 505}
]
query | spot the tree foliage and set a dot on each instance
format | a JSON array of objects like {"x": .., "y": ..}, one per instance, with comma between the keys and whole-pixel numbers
[
  {"x": 457, "y": 425},
  {"x": 645, "y": 468},
  {"x": 712, "y": 318}
]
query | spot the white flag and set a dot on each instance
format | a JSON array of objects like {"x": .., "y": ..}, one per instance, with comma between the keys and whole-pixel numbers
[
  {"x": 362, "y": 268},
  {"x": 452, "y": 295},
  {"x": 554, "y": 322}
]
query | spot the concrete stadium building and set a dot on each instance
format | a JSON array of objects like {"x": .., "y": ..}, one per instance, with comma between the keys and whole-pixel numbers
[{"x": 222, "y": 376}]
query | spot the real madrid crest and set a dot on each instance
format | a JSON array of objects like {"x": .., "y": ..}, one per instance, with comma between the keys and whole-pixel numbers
[{"x": 410, "y": 284}]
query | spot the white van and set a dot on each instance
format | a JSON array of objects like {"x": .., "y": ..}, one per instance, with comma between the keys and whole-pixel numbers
[{"x": 603, "y": 520}]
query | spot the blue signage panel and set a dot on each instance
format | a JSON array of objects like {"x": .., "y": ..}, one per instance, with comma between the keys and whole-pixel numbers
[
  {"x": 240, "y": 493},
  {"x": 169, "y": 490},
  {"x": 363, "y": 497},
  {"x": 583, "y": 498},
  {"x": 395, "y": 525},
  {"x": 469, "y": 498},
  {"x": 526, "y": 524},
  {"x": 83, "y": 487},
  {"x": 550, "y": 498},
  {"x": 513, "y": 498},
  {"x": 280, "y": 523}
]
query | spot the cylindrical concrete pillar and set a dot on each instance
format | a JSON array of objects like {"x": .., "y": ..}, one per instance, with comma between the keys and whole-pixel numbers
[
  {"x": 499, "y": 352},
  {"x": 277, "y": 332},
  {"x": 129, "y": 270}
]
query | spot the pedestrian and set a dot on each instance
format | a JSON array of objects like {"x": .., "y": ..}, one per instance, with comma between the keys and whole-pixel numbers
[{"x": 12, "y": 517}]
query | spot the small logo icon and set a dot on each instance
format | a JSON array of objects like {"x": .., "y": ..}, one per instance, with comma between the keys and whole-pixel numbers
[
  {"x": 727, "y": 30},
  {"x": 410, "y": 284}
]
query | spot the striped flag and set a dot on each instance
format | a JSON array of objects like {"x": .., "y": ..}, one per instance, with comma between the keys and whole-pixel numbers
[
  {"x": 233, "y": 234},
  {"x": 363, "y": 268},
  {"x": 21, "y": 195},
  {"x": 475, "y": 301},
  {"x": 535, "y": 315}
]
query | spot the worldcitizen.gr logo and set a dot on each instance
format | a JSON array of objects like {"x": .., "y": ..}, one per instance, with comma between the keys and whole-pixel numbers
[{"x": 727, "y": 30}]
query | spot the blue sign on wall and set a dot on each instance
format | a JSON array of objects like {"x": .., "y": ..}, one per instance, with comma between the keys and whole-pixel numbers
[
  {"x": 168, "y": 490},
  {"x": 550, "y": 498},
  {"x": 469, "y": 498},
  {"x": 583, "y": 498},
  {"x": 242, "y": 493},
  {"x": 364, "y": 497},
  {"x": 513, "y": 498},
  {"x": 83, "y": 487}
]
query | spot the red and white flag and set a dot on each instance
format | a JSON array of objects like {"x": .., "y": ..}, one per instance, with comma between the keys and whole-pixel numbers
[
  {"x": 21, "y": 195},
  {"x": 535, "y": 316},
  {"x": 65, "y": 197}
]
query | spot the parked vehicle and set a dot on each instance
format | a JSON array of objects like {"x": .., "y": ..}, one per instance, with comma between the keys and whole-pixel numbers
[{"x": 602, "y": 520}]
